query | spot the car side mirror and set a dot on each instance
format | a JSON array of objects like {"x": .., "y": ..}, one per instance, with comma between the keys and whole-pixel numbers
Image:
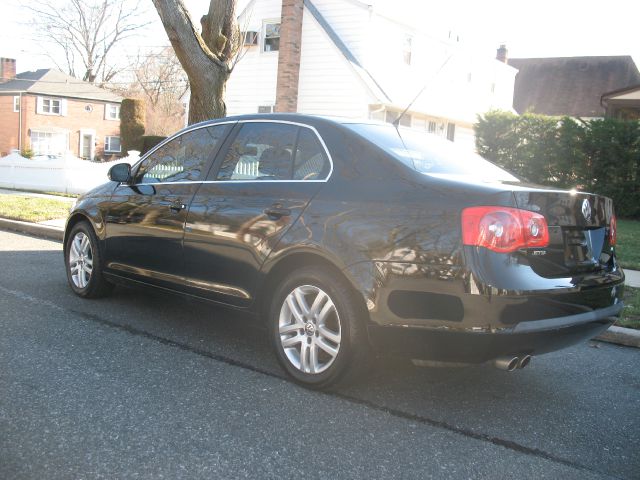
[{"x": 120, "y": 173}]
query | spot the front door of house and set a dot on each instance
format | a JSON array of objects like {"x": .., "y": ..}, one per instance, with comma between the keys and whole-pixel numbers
[{"x": 85, "y": 151}]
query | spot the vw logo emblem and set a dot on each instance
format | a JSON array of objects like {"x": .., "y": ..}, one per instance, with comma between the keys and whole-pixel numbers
[{"x": 586, "y": 210}]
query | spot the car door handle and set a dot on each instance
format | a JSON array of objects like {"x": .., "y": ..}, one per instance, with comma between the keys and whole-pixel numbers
[
  {"x": 176, "y": 207},
  {"x": 277, "y": 212}
]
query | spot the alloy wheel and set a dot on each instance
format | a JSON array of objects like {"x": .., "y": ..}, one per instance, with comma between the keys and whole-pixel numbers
[
  {"x": 309, "y": 329},
  {"x": 80, "y": 260}
]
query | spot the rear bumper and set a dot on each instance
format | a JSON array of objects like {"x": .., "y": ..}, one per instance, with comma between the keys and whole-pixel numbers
[
  {"x": 524, "y": 338},
  {"x": 449, "y": 313}
]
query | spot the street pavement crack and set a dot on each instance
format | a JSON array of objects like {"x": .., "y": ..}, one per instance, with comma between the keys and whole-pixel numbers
[{"x": 508, "y": 444}]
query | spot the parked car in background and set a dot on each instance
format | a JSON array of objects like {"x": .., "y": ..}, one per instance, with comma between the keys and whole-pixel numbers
[{"x": 349, "y": 238}]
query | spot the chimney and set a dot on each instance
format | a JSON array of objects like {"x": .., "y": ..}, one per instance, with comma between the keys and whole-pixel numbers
[
  {"x": 7, "y": 69},
  {"x": 502, "y": 54},
  {"x": 289, "y": 56}
]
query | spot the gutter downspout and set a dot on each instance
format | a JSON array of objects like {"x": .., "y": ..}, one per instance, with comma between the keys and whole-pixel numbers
[{"x": 20, "y": 122}]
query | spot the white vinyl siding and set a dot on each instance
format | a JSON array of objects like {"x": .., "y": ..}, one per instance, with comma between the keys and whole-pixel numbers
[
  {"x": 112, "y": 144},
  {"x": 328, "y": 83},
  {"x": 253, "y": 80}
]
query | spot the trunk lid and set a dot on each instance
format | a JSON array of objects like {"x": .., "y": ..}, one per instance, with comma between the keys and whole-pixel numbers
[{"x": 579, "y": 226}]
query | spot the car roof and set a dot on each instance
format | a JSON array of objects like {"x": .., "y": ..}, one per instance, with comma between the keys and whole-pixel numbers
[{"x": 313, "y": 120}]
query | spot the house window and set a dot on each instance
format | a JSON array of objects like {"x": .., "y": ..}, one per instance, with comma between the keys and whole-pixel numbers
[
  {"x": 50, "y": 106},
  {"x": 112, "y": 111},
  {"x": 265, "y": 108},
  {"x": 16, "y": 103},
  {"x": 432, "y": 127},
  {"x": 112, "y": 144},
  {"x": 451, "y": 131},
  {"x": 48, "y": 143},
  {"x": 271, "y": 37},
  {"x": 406, "y": 49}
]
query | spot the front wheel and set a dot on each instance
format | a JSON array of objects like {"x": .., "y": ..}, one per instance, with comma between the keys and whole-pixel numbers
[
  {"x": 84, "y": 263},
  {"x": 317, "y": 328}
]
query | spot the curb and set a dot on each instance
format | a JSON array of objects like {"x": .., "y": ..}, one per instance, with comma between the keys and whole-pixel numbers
[
  {"x": 44, "y": 231},
  {"x": 618, "y": 335}
]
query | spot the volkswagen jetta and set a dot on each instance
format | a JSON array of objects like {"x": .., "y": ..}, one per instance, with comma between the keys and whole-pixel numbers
[{"x": 349, "y": 238}]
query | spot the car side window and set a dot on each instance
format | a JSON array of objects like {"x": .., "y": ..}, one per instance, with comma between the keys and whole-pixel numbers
[
  {"x": 181, "y": 159},
  {"x": 260, "y": 151},
  {"x": 311, "y": 162}
]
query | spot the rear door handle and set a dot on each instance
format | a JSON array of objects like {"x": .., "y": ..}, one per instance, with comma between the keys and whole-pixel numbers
[
  {"x": 277, "y": 212},
  {"x": 176, "y": 207}
]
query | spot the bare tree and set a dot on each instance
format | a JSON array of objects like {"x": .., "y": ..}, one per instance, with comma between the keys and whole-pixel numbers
[
  {"x": 208, "y": 57},
  {"x": 161, "y": 82},
  {"x": 85, "y": 32}
]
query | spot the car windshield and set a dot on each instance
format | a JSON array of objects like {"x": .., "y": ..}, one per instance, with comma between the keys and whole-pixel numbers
[{"x": 429, "y": 154}]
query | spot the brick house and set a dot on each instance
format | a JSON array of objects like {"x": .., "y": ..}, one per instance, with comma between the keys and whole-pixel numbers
[{"x": 53, "y": 113}]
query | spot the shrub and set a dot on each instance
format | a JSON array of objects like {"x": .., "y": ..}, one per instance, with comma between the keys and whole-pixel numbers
[
  {"x": 600, "y": 155},
  {"x": 132, "y": 120},
  {"x": 150, "y": 141}
]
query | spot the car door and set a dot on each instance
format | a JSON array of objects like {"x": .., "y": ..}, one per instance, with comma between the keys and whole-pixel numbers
[
  {"x": 261, "y": 182},
  {"x": 145, "y": 219}
]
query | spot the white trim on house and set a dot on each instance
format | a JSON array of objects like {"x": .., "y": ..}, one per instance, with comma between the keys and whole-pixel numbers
[
  {"x": 263, "y": 36},
  {"x": 107, "y": 144},
  {"x": 111, "y": 111},
  {"x": 91, "y": 133},
  {"x": 55, "y": 106}
]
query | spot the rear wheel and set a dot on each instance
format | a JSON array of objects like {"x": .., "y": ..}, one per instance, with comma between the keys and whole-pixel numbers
[
  {"x": 84, "y": 263},
  {"x": 317, "y": 328}
]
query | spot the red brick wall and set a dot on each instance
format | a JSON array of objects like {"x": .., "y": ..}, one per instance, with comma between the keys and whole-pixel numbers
[
  {"x": 75, "y": 120},
  {"x": 8, "y": 125},
  {"x": 289, "y": 55}
]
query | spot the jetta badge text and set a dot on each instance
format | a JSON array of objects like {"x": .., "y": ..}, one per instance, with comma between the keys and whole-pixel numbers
[{"x": 586, "y": 210}]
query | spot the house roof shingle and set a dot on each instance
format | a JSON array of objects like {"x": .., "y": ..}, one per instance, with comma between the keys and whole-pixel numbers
[
  {"x": 570, "y": 86},
  {"x": 54, "y": 82}
]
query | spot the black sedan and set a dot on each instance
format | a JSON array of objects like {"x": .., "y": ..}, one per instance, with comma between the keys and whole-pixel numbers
[{"x": 351, "y": 238}]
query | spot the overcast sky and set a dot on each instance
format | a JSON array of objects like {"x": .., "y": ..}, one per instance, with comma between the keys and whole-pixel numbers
[{"x": 543, "y": 28}]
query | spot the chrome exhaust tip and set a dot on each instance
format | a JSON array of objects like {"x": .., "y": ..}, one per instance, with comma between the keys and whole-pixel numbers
[
  {"x": 506, "y": 363},
  {"x": 524, "y": 361}
]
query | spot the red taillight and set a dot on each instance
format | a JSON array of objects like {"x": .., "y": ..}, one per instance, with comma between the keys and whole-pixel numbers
[
  {"x": 613, "y": 231},
  {"x": 503, "y": 229}
]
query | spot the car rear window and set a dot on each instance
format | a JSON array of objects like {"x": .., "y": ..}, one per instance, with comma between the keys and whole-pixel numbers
[{"x": 429, "y": 154}]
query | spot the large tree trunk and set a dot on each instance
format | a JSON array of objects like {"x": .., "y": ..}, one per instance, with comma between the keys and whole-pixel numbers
[{"x": 206, "y": 59}]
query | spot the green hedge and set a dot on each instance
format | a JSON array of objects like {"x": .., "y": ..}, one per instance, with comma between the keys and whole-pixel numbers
[
  {"x": 600, "y": 155},
  {"x": 132, "y": 121}
]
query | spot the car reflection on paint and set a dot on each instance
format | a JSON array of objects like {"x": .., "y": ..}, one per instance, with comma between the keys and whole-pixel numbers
[{"x": 353, "y": 238}]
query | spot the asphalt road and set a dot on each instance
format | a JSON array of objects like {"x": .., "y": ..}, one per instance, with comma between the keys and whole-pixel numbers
[{"x": 145, "y": 385}]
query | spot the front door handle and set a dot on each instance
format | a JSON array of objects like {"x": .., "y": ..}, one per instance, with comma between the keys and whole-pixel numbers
[
  {"x": 277, "y": 211},
  {"x": 176, "y": 207}
]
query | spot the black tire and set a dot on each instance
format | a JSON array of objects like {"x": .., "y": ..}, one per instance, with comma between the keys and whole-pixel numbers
[
  {"x": 353, "y": 349},
  {"x": 93, "y": 285}
]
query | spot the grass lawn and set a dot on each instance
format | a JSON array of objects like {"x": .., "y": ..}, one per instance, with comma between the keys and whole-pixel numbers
[
  {"x": 628, "y": 247},
  {"x": 32, "y": 209},
  {"x": 631, "y": 313}
]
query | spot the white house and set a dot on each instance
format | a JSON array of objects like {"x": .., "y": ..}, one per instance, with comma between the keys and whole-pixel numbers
[{"x": 353, "y": 59}]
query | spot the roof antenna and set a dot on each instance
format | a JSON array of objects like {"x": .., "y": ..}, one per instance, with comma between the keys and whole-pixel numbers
[{"x": 396, "y": 122}]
